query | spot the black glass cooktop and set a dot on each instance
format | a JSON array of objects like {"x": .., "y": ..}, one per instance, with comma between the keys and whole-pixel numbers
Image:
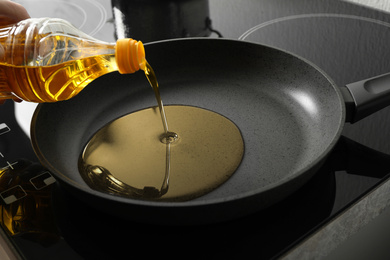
[{"x": 41, "y": 220}]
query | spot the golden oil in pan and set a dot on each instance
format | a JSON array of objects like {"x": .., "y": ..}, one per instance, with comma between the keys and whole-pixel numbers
[{"x": 135, "y": 157}]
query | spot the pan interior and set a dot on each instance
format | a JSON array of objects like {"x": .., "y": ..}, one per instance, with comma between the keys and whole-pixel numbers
[
  {"x": 288, "y": 112},
  {"x": 132, "y": 157}
]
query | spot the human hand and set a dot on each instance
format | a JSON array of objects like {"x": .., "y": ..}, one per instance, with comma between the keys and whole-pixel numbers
[{"x": 10, "y": 12}]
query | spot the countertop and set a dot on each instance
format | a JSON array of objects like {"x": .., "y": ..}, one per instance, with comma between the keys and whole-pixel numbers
[
  {"x": 360, "y": 232},
  {"x": 383, "y": 5}
]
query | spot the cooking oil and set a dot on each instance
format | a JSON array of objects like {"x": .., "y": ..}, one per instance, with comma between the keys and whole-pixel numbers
[
  {"x": 53, "y": 83},
  {"x": 151, "y": 76},
  {"x": 134, "y": 157},
  {"x": 126, "y": 157},
  {"x": 49, "y": 60}
]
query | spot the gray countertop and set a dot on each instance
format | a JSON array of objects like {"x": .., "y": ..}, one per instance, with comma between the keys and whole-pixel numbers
[
  {"x": 364, "y": 227},
  {"x": 383, "y": 5}
]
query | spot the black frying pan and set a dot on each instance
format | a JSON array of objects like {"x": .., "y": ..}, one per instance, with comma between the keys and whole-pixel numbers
[{"x": 289, "y": 112}]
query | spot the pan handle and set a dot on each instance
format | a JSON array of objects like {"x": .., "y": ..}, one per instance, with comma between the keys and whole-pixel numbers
[{"x": 365, "y": 97}]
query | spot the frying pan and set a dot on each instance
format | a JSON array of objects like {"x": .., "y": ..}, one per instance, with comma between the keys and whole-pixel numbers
[{"x": 289, "y": 112}]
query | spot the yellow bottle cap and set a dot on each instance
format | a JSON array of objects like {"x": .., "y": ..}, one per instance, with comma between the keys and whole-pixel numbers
[{"x": 129, "y": 55}]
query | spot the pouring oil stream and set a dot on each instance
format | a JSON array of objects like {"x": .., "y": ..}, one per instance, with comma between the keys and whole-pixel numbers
[
  {"x": 123, "y": 157},
  {"x": 168, "y": 137}
]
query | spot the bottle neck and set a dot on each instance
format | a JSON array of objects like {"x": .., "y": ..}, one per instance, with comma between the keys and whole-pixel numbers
[{"x": 130, "y": 55}]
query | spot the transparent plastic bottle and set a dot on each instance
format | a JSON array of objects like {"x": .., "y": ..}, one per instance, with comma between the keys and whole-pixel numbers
[{"x": 49, "y": 60}]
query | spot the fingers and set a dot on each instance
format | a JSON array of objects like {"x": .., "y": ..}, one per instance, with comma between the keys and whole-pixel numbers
[{"x": 12, "y": 11}]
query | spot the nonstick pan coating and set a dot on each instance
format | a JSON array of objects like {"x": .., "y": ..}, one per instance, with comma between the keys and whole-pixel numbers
[{"x": 289, "y": 113}]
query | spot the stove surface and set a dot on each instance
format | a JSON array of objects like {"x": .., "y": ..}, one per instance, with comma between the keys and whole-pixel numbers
[{"x": 347, "y": 41}]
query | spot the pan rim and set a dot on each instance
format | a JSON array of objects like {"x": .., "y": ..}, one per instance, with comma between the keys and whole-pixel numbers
[{"x": 199, "y": 202}]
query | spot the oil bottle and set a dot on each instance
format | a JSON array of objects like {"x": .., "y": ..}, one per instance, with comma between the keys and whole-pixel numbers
[{"x": 49, "y": 60}]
